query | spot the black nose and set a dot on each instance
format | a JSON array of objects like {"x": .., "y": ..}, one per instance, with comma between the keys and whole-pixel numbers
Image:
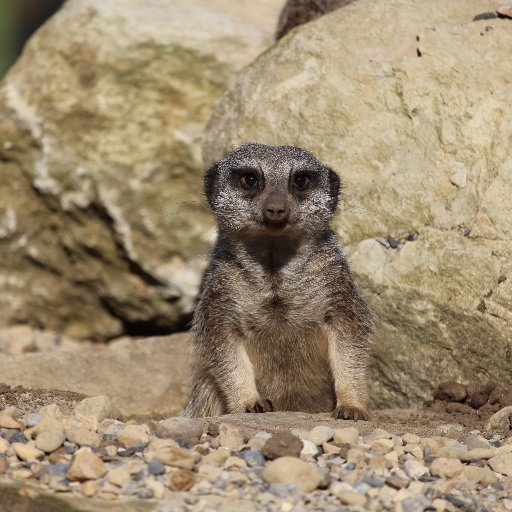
[{"x": 275, "y": 209}]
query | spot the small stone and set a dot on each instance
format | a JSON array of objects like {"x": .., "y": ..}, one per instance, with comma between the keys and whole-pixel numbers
[
  {"x": 500, "y": 420},
  {"x": 397, "y": 482},
  {"x": 32, "y": 419},
  {"x": 59, "y": 456},
  {"x": 481, "y": 453},
  {"x": 168, "y": 452},
  {"x": 7, "y": 421},
  {"x": 448, "y": 429},
  {"x": 133, "y": 435},
  {"x": 320, "y": 434},
  {"x": 85, "y": 465},
  {"x": 480, "y": 475},
  {"x": 27, "y": 451},
  {"x": 257, "y": 442},
  {"x": 82, "y": 437},
  {"x": 291, "y": 470},
  {"x": 47, "y": 423},
  {"x": 184, "y": 429},
  {"x": 182, "y": 480},
  {"x": 4, "y": 464},
  {"x": 118, "y": 476},
  {"x": 347, "y": 494},
  {"x": 51, "y": 410},
  {"x": 476, "y": 441},
  {"x": 348, "y": 435},
  {"x": 211, "y": 473},
  {"x": 415, "y": 469},
  {"x": 156, "y": 487},
  {"x": 21, "y": 474},
  {"x": 309, "y": 451},
  {"x": 89, "y": 488},
  {"x": 282, "y": 444},
  {"x": 218, "y": 456},
  {"x": 378, "y": 433},
  {"x": 446, "y": 468},
  {"x": 156, "y": 468},
  {"x": 50, "y": 440},
  {"x": 502, "y": 463},
  {"x": 131, "y": 450},
  {"x": 411, "y": 439},
  {"x": 451, "y": 392},
  {"x": 230, "y": 436},
  {"x": 13, "y": 412},
  {"x": 382, "y": 445},
  {"x": 98, "y": 406},
  {"x": 329, "y": 449},
  {"x": 252, "y": 458},
  {"x": 356, "y": 456}
]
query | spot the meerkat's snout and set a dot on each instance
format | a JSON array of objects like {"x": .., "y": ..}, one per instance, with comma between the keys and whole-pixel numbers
[{"x": 276, "y": 210}]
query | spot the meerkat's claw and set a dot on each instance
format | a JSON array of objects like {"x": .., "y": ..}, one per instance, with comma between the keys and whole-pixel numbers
[
  {"x": 260, "y": 406},
  {"x": 350, "y": 413}
]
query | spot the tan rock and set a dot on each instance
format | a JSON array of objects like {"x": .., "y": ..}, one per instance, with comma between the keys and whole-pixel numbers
[
  {"x": 480, "y": 475},
  {"x": 320, "y": 434},
  {"x": 85, "y": 465},
  {"x": 52, "y": 410},
  {"x": 97, "y": 406},
  {"x": 118, "y": 476},
  {"x": 446, "y": 468},
  {"x": 349, "y": 435},
  {"x": 133, "y": 434},
  {"x": 89, "y": 488},
  {"x": 230, "y": 436},
  {"x": 27, "y": 451},
  {"x": 82, "y": 437},
  {"x": 4, "y": 445},
  {"x": 218, "y": 456},
  {"x": 502, "y": 463},
  {"x": 49, "y": 440},
  {"x": 500, "y": 420},
  {"x": 7, "y": 421},
  {"x": 47, "y": 423},
  {"x": 382, "y": 445},
  {"x": 168, "y": 452},
  {"x": 181, "y": 480},
  {"x": 291, "y": 470},
  {"x": 409, "y": 438},
  {"x": 156, "y": 487}
]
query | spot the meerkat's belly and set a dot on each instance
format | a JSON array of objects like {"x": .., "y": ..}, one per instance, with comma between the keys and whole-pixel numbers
[{"x": 291, "y": 368}]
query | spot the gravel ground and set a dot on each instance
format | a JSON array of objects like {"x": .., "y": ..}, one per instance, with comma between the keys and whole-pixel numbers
[{"x": 79, "y": 450}]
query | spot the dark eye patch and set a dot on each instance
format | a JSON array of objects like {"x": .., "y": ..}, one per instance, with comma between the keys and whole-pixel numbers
[{"x": 302, "y": 181}]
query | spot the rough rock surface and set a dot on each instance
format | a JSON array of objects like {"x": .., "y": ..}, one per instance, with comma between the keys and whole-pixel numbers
[
  {"x": 102, "y": 223},
  {"x": 143, "y": 378},
  {"x": 410, "y": 103}
]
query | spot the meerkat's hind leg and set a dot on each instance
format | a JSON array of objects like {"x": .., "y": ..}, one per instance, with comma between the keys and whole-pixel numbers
[{"x": 204, "y": 400}]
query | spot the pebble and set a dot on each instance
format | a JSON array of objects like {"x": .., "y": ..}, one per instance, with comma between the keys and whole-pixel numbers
[
  {"x": 181, "y": 480},
  {"x": 50, "y": 440},
  {"x": 502, "y": 463},
  {"x": 500, "y": 420},
  {"x": 291, "y": 470},
  {"x": 180, "y": 428},
  {"x": 169, "y": 453},
  {"x": 4, "y": 464},
  {"x": 7, "y": 421},
  {"x": 52, "y": 410},
  {"x": 4, "y": 445},
  {"x": 320, "y": 434},
  {"x": 309, "y": 451},
  {"x": 283, "y": 444},
  {"x": 155, "y": 487},
  {"x": 218, "y": 456},
  {"x": 230, "y": 436},
  {"x": 252, "y": 458},
  {"x": 258, "y": 441},
  {"x": 347, "y": 494},
  {"x": 85, "y": 465},
  {"x": 481, "y": 475},
  {"x": 211, "y": 473},
  {"x": 411, "y": 439},
  {"x": 382, "y": 445},
  {"x": 89, "y": 488},
  {"x": 348, "y": 435},
  {"x": 27, "y": 451},
  {"x": 476, "y": 441},
  {"x": 156, "y": 468},
  {"x": 415, "y": 469},
  {"x": 133, "y": 435},
  {"x": 118, "y": 476},
  {"x": 98, "y": 406},
  {"x": 82, "y": 437},
  {"x": 32, "y": 419},
  {"x": 446, "y": 468}
]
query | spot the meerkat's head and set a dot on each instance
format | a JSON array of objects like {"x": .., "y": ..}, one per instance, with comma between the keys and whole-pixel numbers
[{"x": 260, "y": 190}]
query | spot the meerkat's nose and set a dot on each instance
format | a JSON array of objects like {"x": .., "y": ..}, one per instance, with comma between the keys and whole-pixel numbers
[{"x": 275, "y": 208}]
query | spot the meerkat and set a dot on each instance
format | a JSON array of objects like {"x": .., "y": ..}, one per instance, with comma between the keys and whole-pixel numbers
[
  {"x": 298, "y": 12},
  {"x": 280, "y": 324}
]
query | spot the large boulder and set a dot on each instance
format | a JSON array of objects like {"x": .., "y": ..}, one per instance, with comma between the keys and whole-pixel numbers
[
  {"x": 102, "y": 223},
  {"x": 410, "y": 102}
]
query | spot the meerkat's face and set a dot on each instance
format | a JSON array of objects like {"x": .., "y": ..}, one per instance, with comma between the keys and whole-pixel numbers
[{"x": 260, "y": 190}]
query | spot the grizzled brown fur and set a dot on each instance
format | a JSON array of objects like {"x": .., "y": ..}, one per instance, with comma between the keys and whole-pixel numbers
[
  {"x": 280, "y": 323},
  {"x": 298, "y": 12}
]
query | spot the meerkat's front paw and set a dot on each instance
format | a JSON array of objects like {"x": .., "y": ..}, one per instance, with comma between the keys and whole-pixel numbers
[
  {"x": 260, "y": 406},
  {"x": 350, "y": 413}
]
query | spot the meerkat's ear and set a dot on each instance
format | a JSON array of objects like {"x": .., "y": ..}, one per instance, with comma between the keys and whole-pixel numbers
[
  {"x": 334, "y": 189},
  {"x": 211, "y": 183}
]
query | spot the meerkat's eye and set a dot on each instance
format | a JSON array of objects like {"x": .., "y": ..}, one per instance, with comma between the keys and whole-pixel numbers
[
  {"x": 249, "y": 180},
  {"x": 301, "y": 181}
]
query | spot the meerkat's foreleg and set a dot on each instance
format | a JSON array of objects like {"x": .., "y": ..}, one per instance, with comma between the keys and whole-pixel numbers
[
  {"x": 348, "y": 359},
  {"x": 229, "y": 367}
]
